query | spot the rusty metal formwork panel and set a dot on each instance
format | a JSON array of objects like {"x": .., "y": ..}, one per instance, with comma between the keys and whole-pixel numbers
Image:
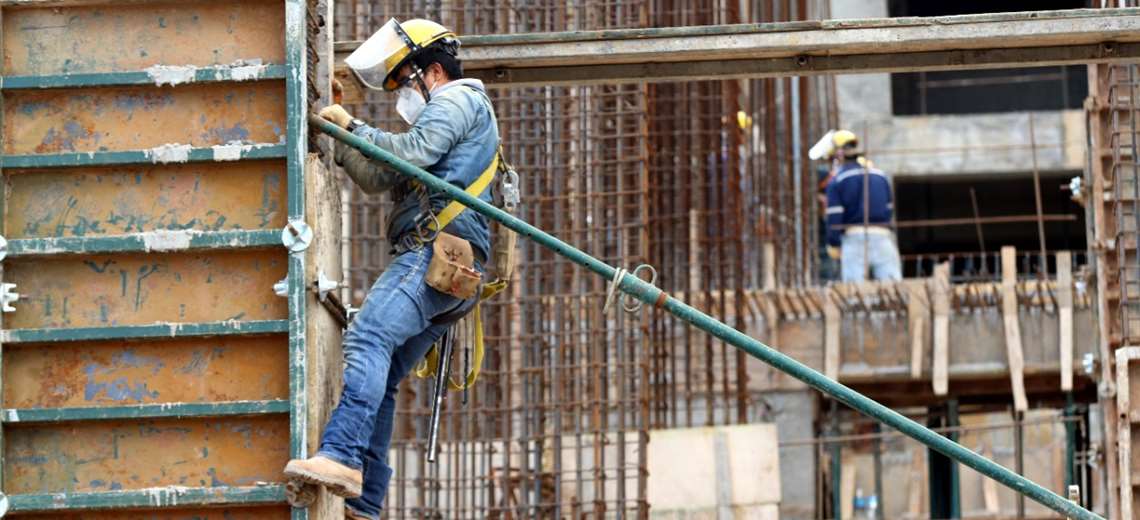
[{"x": 152, "y": 155}]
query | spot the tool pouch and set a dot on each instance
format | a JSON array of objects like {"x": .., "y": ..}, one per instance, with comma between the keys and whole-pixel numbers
[{"x": 452, "y": 268}]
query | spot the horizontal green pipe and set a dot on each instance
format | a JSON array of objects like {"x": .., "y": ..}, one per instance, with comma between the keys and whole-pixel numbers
[
  {"x": 151, "y": 241},
  {"x": 155, "y": 331},
  {"x": 173, "y": 496},
  {"x": 142, "y": 77},
  {"x": 144, "y": 411},
  {"x": 651, "y": 295},
  {"x": 58, "y": 160}
]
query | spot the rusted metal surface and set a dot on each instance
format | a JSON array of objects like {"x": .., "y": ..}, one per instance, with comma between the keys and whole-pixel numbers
[
  {"x": 120, "y": 372},
  {"x": 102, "y": 38},
  {"x": 150, "y": 369},
  {"x": 132, "y": 199},
  {"x": 107, "y": 456},
  {"x": 78, "y": 120},
  {"x": 154, "y": 288}
]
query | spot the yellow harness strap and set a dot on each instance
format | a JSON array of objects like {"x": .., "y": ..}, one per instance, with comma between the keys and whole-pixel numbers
[
  {"x": 476, "y": 189},
  {"x": 426, "y": 367}
]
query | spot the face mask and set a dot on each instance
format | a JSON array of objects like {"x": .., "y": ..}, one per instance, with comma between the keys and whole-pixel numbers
[{"x": 409, "y": 104}]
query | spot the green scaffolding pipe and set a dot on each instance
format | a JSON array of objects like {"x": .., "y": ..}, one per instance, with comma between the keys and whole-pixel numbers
[{"x": 651, "y": 295}]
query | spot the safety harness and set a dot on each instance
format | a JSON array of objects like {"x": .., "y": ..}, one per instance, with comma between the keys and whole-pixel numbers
[{"x": 504, "y": 263}]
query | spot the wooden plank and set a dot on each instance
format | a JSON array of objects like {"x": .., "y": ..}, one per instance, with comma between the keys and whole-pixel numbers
[
  {"x": 130, "y": 455},
  {"x": 918, "y": 313},
  {"x": 990, "y": 489},
  {"x": 769, "y": 266},
  {"x": 323, "y": 332},
  {"x": 145, "y": 289},
  {"x": 133, "y": 118},
  {"x": 115, "y": 373},
  {"x": 832, "y": 323},
  {"x": 1126, "y": 357},
  {"x": 798, "y": 48},
  {"x": 1065, "y": 317},
  {"x": 940, "y": 302},
  {"x": 116, "y": 38},
  {"x": 1012, "y": 324},
  {"x": 847, "y": 487}
]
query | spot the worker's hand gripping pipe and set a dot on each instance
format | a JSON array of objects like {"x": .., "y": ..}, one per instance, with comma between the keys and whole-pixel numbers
[{"x": 651, "y": 295}]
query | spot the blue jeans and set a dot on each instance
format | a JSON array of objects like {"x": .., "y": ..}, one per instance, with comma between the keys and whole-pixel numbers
[
  {"x": 880, "y": 252},
  {"x": 383, "y": 343}
]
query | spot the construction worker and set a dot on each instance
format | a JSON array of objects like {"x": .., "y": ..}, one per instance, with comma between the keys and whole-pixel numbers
[
  {"x": 859, "y": 210},
  {"x": 453, "y": 135}
]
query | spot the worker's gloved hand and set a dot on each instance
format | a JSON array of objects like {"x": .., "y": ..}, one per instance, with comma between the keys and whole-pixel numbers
[
  {"x": 833, "y": 252},
  {"x": 337, "y": 114}
]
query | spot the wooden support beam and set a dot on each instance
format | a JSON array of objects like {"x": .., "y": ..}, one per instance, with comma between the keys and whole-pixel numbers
[
  {"x": 940, "y": 296},
  {"x": 831, "y": 324},
  {"x": 1013, "y": 348},
  {"x": 918, "y": 314},
  {"x": 1065, "y": 317},
  {"x": 1126, "y": 358},
  {"x": 800, "y": 48}
]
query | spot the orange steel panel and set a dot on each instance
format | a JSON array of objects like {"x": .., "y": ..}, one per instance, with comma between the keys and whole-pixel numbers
[
  {"x": 123, "y": 373},
  {"x": 126, "y": 37},
  {"x": 108, "y": 290},
  {"x": 96, "y": 119},
  {"x": 130, "y": 199},
  {"x": 105, "y": 456},
  {"x": 251, "y": 513}
]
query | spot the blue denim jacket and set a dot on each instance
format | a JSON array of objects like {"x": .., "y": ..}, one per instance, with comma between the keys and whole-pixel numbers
[{"x": 455, "y": 138}]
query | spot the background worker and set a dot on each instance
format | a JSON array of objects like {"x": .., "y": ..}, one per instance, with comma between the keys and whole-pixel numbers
[
  {"x": 454, "y": 136},
  {"x": 859, "y": 210}
]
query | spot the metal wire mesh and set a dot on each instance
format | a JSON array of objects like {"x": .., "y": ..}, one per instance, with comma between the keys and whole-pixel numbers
[{"x": 691, "y": 177}]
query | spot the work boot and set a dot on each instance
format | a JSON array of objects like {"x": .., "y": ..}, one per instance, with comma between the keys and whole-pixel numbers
[
  {"x": 349, "y": 514},
  {"x": 339, "y": 479}
]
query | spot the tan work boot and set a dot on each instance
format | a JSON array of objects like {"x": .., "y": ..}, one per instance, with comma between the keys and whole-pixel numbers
[
  {"x": 339, "y": 479},
  {"x": 349, "y": 514}
]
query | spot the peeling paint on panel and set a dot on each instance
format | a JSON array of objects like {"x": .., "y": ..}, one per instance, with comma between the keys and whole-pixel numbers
[
  {"x": 171, "y": 74},
  {"x": 170, "y": 153},
  {"x": 244, "y": 70},
  {"x": 138, "y": 455},
  {"x": 167, "y": 240}
]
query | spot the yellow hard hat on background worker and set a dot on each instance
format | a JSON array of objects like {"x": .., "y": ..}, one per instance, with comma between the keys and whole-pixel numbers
[
  {"x": 377, "y": 60},
  {"x": 834, "y": 141}
]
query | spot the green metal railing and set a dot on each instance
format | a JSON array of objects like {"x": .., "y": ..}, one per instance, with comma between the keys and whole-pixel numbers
[{"x": 651, "y": 295}]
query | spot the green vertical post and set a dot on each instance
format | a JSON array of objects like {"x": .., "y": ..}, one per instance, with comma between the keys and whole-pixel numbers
[
  {"x": 653, "y": 296},
  {"x": 955, "y": 482},
  {"x": 297, "y": 134}
]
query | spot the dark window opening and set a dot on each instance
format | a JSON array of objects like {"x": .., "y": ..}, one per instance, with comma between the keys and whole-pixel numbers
[
  {"x": 986, "y": 91},
  {"x": 938, "y": 200}
]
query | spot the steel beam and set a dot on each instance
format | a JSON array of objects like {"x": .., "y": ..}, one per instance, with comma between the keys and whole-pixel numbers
[{"x": 801, "y": 48}]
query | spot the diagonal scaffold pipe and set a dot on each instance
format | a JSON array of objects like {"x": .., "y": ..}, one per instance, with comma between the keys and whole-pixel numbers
[{"x": 651, "y": 295}]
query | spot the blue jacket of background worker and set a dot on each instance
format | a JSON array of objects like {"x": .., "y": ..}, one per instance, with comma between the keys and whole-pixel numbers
[
  {"x": 845, "y": 200},
  {"x": 455, "y": 138}
]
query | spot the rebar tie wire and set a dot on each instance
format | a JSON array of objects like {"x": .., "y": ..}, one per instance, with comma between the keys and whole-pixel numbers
[{"x": 647, "y": 293}]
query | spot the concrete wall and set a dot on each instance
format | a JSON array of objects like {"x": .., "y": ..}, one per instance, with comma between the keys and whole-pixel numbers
[{"x": 969, "y": 144}]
